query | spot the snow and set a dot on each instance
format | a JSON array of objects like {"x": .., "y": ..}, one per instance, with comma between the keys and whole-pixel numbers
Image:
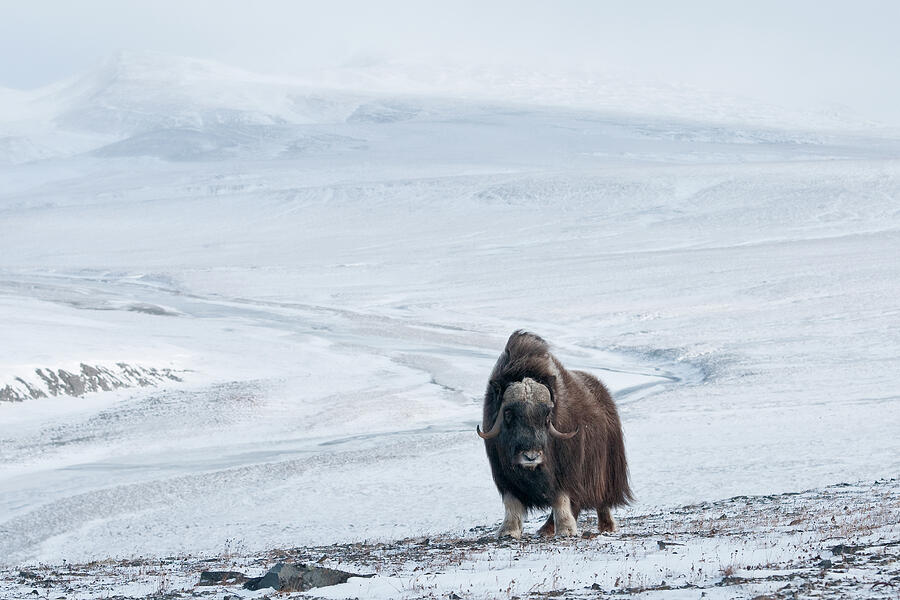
[
  {"x": 609, "y": 90},
  {"x": 824, "y": 542},
  {"x": 336, "y": 270}
]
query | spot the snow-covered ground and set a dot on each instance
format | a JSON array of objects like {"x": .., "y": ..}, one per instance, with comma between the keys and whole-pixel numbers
[
  {"x": 332, "y": 272},
  {"x": 836, "y": 542}
]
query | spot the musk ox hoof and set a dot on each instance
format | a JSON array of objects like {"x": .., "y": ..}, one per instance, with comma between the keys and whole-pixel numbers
[
  {"x": 605, "y": 521},
  {"x": 607, "y": 527},
  {"x": 515, "y": 534},
  {"x": 566, "y": 527}
]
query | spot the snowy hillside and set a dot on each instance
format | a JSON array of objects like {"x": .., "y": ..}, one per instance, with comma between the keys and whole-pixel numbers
[
  {"x": 331, "y": 266},
  {"x": 144, "y": 104}
]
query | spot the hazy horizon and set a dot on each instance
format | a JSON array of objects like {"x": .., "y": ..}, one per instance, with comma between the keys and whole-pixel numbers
[{"x": 812, "y": 55}]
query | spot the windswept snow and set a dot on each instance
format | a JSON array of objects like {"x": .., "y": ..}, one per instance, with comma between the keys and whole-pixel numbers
[
  {"x": 335, "y": 269},
  {"x": 840, "y": 541}
]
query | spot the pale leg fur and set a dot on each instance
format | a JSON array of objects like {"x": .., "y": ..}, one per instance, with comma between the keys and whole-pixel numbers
[
  {"x": 563, "y": 519},
  {"x": 512, "y": 520}
]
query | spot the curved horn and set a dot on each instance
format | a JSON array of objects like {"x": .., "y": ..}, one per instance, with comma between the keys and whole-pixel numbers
[
  {"x": 560, "y": 435},
  {"x": 494, "y": 432},
  {"x": 498, "y": 421}
]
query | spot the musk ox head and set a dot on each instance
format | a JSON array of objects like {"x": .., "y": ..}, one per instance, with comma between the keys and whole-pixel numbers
[{"x": 524, "y": 424}]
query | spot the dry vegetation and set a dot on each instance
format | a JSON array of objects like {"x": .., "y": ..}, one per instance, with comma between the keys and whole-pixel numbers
[{"x": 843, "y": 541}]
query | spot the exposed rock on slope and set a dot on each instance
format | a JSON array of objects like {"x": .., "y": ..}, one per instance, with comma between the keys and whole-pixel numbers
[{"x": 96, "y": 378}]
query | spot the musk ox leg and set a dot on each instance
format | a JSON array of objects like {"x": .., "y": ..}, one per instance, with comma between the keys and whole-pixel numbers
[
  {"x": 563, "y": 520},
  {"x": 512, "y": 520},
  {"x": 605, "y": 521},
  {"x": 547, "y": 529}
]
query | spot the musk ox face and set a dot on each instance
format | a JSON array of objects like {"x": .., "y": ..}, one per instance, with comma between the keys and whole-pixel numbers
[
  {"x": 524, "y": 438},
  {"x": 524, "y": 426}
]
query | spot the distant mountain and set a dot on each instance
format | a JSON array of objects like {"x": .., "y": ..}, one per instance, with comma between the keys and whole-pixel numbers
[
  {"x": 136, "y": 101},
  {"x": 580, "y": 89},
  {"x": 136, "y": 93},
  {"x": 173, "y": 108}
]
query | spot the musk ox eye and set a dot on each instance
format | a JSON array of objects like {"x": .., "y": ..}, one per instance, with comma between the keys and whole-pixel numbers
[{"x": 508, "y": 416}]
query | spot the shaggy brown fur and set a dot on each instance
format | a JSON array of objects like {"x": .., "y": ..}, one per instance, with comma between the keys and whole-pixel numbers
[{"x": 590, "y": 467}]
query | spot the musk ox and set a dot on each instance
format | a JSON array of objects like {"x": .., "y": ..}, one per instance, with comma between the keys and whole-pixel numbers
[{"x": 553, "y": 439}]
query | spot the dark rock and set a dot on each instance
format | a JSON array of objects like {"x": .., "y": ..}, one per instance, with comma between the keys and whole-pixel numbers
[
  {"x": 843, "y": 549},
  {"x": 730, "y": 580},
  {"x": 135, "y": 374},
  {"x": 151, "y": 309},
  {"x": 93, "y": 379},
  {"x": 824, "y": 564},
  {"x": 10, "y": 394},
  {"x": 272, "y": 579},
  {"x": 221, "y": 578},
  {"x": 35, "y": 392},
  {"x": 50, "y": 380},
  {"x": 29, "y": 575},
  {"x": 73, "y": 385},
  {"x": 299, "y": 578},
  {"x": 7, "y": 394},
  {"x": 89, "y": 378}
]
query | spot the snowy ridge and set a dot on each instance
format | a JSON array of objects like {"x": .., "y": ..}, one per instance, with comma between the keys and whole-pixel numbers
[
  {"x": 44, "y": 382},
  {"x": 135, "y": 94},
  {"x": 600, "y": 91}
]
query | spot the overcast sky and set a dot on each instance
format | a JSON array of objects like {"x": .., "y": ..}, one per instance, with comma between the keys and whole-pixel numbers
[{"x": 812, "y": 53}]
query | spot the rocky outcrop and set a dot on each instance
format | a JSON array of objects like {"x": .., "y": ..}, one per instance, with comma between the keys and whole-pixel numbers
[
  {"x": 90, "y": 378},
  {"x": 222, "y": 578},
  {"x": 286, "y": 577}
]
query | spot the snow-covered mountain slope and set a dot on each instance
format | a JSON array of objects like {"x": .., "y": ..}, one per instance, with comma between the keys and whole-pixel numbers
[
  {"x": 145, "y": 104},
  {"x": 332, "y": 281},
  {"x": 154, "y": 97},
  {"x": 618, "y": 93}
]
